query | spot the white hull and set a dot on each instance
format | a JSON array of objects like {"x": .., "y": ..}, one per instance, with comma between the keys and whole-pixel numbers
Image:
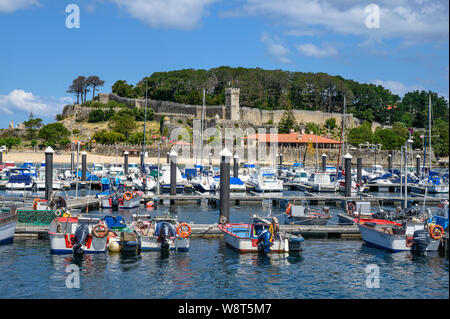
[
  {"x": 7, "y": 232},
  {"x": 18, "y": 186},
  {"x": 59, "y": 244},
  {"x": 392, "y": 243},
  {"x": 148, "y": 243}
]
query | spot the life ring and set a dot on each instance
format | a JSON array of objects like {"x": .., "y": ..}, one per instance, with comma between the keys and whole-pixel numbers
[
  {"x": 128, "y": 195},
  {"x": 100, "y": 230},
  {"x": 182, "y": 231},
  {"x": 58, "y": 213},
  {"x": 433, "y": 231},
  {"x": 288, "y": 209},
  {"x": 347, "y": 208}
]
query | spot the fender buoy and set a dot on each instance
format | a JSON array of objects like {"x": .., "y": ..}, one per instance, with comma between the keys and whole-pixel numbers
[
  {"x": 183, "y": 230},
  {"x": 288, "y": 209},
  {"x": 350, "y": 208},
  {"x": 436, "y": 231},
  {"x": 35, "y": 203},
  {"x": 100, "y": 230},
  {"x": 128, "y": 195},
  {"x": 149, "y": 204}
]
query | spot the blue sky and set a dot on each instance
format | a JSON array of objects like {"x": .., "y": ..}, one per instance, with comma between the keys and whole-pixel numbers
[{"x": 128, "y": 39}]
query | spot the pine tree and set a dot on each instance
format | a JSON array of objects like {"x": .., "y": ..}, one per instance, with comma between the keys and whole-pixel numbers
[{"x": 287, "y": 121}]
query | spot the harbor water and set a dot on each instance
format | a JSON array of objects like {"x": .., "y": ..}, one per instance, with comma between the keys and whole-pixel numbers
[{"x": 327, "y": 268}]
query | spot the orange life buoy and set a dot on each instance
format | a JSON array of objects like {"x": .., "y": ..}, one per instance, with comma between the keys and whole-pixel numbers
[
  {"x": 350, "y": 211},
  {"x": 128, "y": 195},
  {"x": 288, "y": 209},
  {"x": 100, "y": 230},
  {"x": 437, "y": 235},
  {"x": 183, "y": 230}
]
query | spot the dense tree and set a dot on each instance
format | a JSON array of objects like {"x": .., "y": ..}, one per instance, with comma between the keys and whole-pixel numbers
[
  {"x": 54, "y": 134},
  {"x": 287, "y": 122},
  {"x": 10, "y": 142},
  {"x": 361, "y": 134},
  {"x": 122, "y": 122},
  {"x": 32, "y": 125}
]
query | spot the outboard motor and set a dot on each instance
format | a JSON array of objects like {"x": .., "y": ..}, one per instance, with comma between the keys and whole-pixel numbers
[
  {"x": 264, "y": 241},
  {"x": 115, "y": 203},
  {"x": 164, "y": 230},
  {"x": 80, "y": 238},
  {"x": 421, "y": 240}
]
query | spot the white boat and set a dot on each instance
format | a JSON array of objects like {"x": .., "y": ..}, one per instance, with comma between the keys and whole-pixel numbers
[
  {"x": 164, "y": 180},
  {"x": 301, "y": 176},
  {"x": 127, "y": 200},
  {"x": 77, "y": 235},
  {"x": 259, "y": 236},
  {"x": 8, "y": 222},
  {"x": 434, "y": 185},
  {"x": 321, "y": 182},
  {"x": 265, "y": 180},
  {"x": 410, "y": 236},
  {"x": 99, "y": 170},
  {"x": 354, "y": 189},
  {"x": 56, "y": 183},
  {"x": 133, "y": 168},
  {"x": 146, "y": 183},
  {"x": 19, "y": 182},
  {"x": 204, "y": 183},
  {"x": 154, "y": 238}
]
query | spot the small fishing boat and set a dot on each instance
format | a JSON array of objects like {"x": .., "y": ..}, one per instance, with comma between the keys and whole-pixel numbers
[
  {"x": 161, "y": 233},
  {"x": 416, "y": 237},
  {"x": 20, "y": 179},
  {"x": 113, "y": 200},
  {"x": 260, "y": 235},
  {"x": 77, "y": 234},
  {"x": 120, "y": 237},
  {"x": 304, "y": 215},
  {"x": 8, "y": 222}
]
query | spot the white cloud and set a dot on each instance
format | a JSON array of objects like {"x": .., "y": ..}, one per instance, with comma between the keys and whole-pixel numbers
[
  {"x": 171, "y": 14},
  {"x": 20, "y": 101},
  {"x": 397, "y": 87},
  {"x": 404, "y": 19},
  {"x": 312, "y": 50},
  {"x": 276, "y": 50},
  {"x": 9, "y": 6}
]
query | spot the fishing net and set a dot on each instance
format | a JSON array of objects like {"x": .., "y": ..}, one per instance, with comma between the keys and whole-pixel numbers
[{"x": 36, "y": 217}]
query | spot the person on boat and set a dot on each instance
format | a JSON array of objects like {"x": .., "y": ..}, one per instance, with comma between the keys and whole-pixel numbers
[{"x": 275, "y": 227}]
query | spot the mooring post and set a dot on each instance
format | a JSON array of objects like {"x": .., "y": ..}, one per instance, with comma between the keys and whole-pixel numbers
[
  {"x": 418, "y": 165},
  {"x": 173, "y": 174},
  {"x": 359, "y": 170},
  {"x": 236, "y": 165},
  {"x": 125, "y": 162},
  {"x": 168, "y": 158},
  {"x": 225, "y": 158},
  {"x": 324, "y": 162},
  {"x": 72, "y": 157},
  {"x": 390, "y": 163},
  {"x": 48, "y": 172},
  {"x": 83, "y": 166},
  {"x": 348, "y": 174},
  {"x": 1, "y": 156}
]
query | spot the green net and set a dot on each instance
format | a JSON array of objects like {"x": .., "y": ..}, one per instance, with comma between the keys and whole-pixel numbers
[{"x": 35, "y": 217}]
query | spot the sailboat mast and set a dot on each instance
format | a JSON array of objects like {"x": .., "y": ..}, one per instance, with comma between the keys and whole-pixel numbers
[
  {"x": 429, "y": 130},
  {"x": 202, "y": 128}
]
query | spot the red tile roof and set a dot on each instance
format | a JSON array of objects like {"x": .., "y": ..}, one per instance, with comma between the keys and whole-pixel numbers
[{"x": 294, "y": 137}]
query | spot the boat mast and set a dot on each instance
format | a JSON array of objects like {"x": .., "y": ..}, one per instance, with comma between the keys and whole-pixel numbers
[
  {"x": 342, "y": 145},
  {"x": 429, "y": 130},
  {"x": 201, "y": 128},
  {"x": 143, "y": 140}
]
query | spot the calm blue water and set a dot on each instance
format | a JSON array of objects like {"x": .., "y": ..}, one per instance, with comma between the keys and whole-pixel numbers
[{"x": 327, "y": 268}]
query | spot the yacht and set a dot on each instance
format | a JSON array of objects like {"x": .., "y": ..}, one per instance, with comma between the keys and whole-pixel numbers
[{"x": 265, "y": 180}]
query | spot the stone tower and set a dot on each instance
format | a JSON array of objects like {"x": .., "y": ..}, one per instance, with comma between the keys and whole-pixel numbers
[{"x": 232, "y": 104}]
